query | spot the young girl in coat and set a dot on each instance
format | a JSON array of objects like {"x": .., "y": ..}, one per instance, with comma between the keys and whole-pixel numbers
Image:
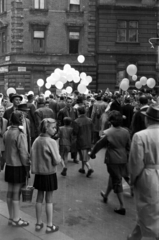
[{"x": 44, "y": 159}]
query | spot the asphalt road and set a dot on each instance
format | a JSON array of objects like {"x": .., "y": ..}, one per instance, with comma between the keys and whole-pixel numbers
[{"x": 78, "y": 207}]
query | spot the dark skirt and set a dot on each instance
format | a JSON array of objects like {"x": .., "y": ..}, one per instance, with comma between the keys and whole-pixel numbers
[
  {"x": 15, "y": 174},
  {"x": 45, "y": 182}
]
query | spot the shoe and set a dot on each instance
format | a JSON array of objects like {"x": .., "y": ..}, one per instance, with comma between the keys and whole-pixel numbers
[
  {"x": 81, "y": 170},
  {"x": 64, "y": 172},
  {"x": 38, "y": 226},
  {"x": 120, "y": 211},
  {"x": 20, "y": 223},
  {"x": 90, "y": 171},
  {"x": 53, "y": 228},
  {"x": 104, "y": 197}
]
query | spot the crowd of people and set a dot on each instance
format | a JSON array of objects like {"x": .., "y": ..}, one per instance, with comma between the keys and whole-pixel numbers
[{"x": 37, "y": 133}]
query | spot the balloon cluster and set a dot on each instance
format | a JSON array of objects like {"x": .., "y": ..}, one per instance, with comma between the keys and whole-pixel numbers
[
  {"x": 132, "y": 70},
  {"x": 59, "y": 77}
]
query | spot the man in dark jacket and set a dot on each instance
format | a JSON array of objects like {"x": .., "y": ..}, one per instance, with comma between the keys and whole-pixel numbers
[
  {"x": 127, "y": 111},
  {"x": 84, "y": 130},
  {"x": 41, "y": 113},
  {"x": 15, "y": 99}
]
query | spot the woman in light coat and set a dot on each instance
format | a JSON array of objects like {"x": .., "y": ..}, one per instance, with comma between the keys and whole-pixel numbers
[{"x": 144, "y": 170}]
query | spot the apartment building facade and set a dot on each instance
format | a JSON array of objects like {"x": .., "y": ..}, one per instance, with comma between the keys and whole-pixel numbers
[
  {"x": 124, "y": 29},
  {"x": 38, "y": 36}
]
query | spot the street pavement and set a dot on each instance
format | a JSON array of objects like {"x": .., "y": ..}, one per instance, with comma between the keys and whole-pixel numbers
[{"x": 78, "y": 208}]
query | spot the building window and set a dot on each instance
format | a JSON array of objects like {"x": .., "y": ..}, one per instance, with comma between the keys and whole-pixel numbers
[
  {"x": 38, "y": 41},
  {"x": 2, "y": 6},
  {"x": 74, "y": 5},
  {"x": 2, "y": 42},
  {"x": 127, "y": 31},
  {"x": 39, "y": 4},
  {"x": 74, "y": 42}
]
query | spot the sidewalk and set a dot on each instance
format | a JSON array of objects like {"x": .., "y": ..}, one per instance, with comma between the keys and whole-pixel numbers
[{"x": 27, "y": 233}]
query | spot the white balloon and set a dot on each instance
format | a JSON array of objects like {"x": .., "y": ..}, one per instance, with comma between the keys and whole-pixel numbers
[
  {"x": 67, "y": 67},
  {"x": 76, "y": 78},
  {"x": 48, "y": 85},
  {"x": 81, "y": 59},
  {"x": 86, "y": 92},
  {"x": 131, "y": 69},
  {"x": 138, "y": 84},
  {"x": 47, "y": 93},
  {"x": 124, "y": 85},
  {"x": 143, "y": 80},
  {"x": 81, "y": 88},
  {"x": 40, "y": 82},
  {"x": 55, "y": 76},
  {"x": 69, "y": 89},
  {"x": 89, "y": 79},
  {"x": 63, "y": 91},
  {"x": 59, "y": 85},
  {"x": 63, "y": 79},
  {"x": 84, "y": 82},
  {"x": 125, "y": 80},
  {"x": 58, "y": 71},
  {"x": 151, "y": 82},
  {"x": 10, "y": 90},
  {"x": 83, "y": 75},
  {"x": 69, "y": 77},
  {"x": 134, "y": 77}
]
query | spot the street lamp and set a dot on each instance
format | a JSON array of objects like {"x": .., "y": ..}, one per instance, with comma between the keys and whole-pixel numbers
[{"x": 152, "y": 45}]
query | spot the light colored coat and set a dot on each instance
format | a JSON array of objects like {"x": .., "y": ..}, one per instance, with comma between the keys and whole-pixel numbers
[
  {"x": 4, "y": 128},
  {"x": 144, "y": 171}
]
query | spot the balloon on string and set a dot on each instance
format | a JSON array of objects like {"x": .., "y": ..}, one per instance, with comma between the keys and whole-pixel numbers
[
  {"x": 40, "y": 82},
  {"x": 143, "y": 80},
  {"x": 89, "y": 79},
  {"x": 87, "y": 91},
  {"x": 10, "y": 90},
  {"x": 69, "y": 77},
  {"x": 84, "y": 82},
  {"x": 131, "y": 69},
  {"x": 63, "y": 91},
  {"x": 134, "y": 77},
  {"x": 81, "y": 59},
  {"x": 69, "y": 89},
  {"x": 47, "y": 93},
  {"x": 83, "y": 75},
  {"x": 81, "y": 88},
  {"x": 63, "y": 79},
  {"x": 76, "y": 79},
  {"x": 125, "y": 80},
  {"x": 66, "y": 67},
  {"x": 48, "y": 85},
  {"x": 151, "y": 82},
  {"x": 58, "y": 71},
  {"x": 124, "y": 85},
  {"x": 138, "y": 84},
  {"x": 59, "y": 85}
]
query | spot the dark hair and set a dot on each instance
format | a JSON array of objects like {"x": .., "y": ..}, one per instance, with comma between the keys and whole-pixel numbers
[
  {"x": 62, "y": 98},
  {"x": 79, "y": 99},
  {"x": 67, "y": 121},
  {"x": 81, "y": 110},
  {"x": 16, "y": 118},
  {"x": 45, "y": 123},
  {"x": 115, "y": 118},
  {"x": 143, "y": 99},
  {"x": 51, "y": 96},
  {"x": 127, "y": 100}
]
